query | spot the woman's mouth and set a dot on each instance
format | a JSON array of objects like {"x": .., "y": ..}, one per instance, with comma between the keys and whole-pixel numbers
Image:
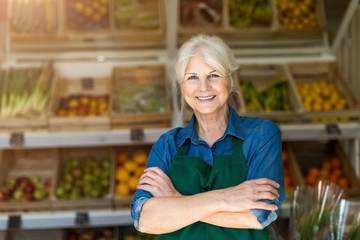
[{"x": 206, "y": 98}]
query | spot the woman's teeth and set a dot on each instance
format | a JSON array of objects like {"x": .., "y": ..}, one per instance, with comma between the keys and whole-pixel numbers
[{"x": 205, "y": 98}]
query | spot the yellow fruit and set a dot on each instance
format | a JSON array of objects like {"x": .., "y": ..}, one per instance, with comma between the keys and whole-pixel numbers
[
  {"x": 132, "y": 183},
  {"x": 139, "y": 171},
  {"x": 122, "y": 175},
  {"x": 130, "y": 166},
  {"x": 140, "y": 157},
  {"x": 122, "y": 189}
]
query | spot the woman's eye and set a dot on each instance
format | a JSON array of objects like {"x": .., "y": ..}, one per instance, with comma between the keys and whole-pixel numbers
[
  {"x": 192, "y": 78},
  {"x": 213, "y": 76}
]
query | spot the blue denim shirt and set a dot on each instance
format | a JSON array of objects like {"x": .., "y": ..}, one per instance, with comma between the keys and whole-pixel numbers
[{"x": 261, "y": 148}]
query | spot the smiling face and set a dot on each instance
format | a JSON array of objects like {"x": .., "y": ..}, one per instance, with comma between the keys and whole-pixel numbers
[{"x": 204, "y": 89}]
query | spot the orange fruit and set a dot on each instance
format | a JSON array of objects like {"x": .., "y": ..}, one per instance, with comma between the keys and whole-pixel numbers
[
  {"x": 333, "y": 178},
  {"x": 139, "y": 171},
  {"x": 286, "y": 172},
  {"x": 311, "y": 180},
  {"x": 313, "y": 172},
  {"x": 343, "y": 183},
  {"x": 122, "y": 157},
  {"x": 326, "y": 166},
  {"x": 284, "y": 156},
  {"x": 337, "y": 172},
  {"x": 324, "y": 174},
  {"x": 130, "y": 166},
  {"x": 335, "y": 162}
]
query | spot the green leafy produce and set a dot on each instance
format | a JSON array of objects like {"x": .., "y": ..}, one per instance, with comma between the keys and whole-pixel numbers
[
  {"x": 139, "y": 98},
  {"x": 274, "y": 97},
  {"x": 37, "y": 16},
  {"x": 244, "y": 13},
  {"x": 25, "y": 91},
  {"x": 137, "y": 14},
  {"x": 354, "y": 232}
]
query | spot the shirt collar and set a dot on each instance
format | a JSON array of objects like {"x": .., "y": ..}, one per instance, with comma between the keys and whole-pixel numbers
[{"x": 234, "y": 128}]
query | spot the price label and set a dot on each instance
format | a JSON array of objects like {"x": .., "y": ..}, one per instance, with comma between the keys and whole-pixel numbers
[
  {"x": 333, "y": 129},
  {"x": 137, "y": 135},
  {"x": 87, "y": 83},
  {"x": 17, "y": 139},
  {"x": 14, "y": 222},
  {"x": 82, "y": 218}
]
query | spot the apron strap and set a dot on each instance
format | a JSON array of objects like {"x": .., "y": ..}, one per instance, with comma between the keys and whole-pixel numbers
[
  {"x": 184, "y": 148},
  {"x": 237, "y": 146}
]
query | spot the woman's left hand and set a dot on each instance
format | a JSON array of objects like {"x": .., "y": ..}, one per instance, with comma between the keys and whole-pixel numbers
[{"x": 155, "y": 181}]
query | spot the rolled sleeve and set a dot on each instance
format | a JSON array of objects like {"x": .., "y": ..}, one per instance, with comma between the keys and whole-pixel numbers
[
  {"x": 266, "y": 163},
  {"x": 135, "y": 208}
]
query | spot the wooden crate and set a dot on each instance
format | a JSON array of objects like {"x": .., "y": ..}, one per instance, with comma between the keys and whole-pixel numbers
[
  {"x": 129, "y": 79},
  {"x": 312, "y": 154},
  {"x": 50, "y": 23},
  {"x": 81, "y": 154},
  {"x": 26, "y": 163},
  {"x": 127, "y": 21},
  {"x": 262, "y": 33},
  {"x": 30, "y": 122},
  {"x": 292, "y": 166},
  {"x": 328, "y": 71},
  {"x": 121, "y": 202},
  {"x": 261, "y": 75},
  {"x": 65, "y": 87}
]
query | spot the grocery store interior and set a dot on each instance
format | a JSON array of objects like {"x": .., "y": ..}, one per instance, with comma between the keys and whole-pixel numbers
[{"x": 87, "y": 89}]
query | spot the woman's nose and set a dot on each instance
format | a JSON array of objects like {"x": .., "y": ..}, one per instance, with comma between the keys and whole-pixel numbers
[{"x": 204, "y": 84}]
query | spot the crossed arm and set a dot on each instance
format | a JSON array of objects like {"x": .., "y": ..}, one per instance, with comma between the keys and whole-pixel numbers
[{"x": 169, "y": 211}]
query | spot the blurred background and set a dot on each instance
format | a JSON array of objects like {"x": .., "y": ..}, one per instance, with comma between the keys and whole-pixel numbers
[{"x": 86, "y": 90}]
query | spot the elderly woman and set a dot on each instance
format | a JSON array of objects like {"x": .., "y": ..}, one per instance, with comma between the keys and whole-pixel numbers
[{"x": 220, "y": 177}]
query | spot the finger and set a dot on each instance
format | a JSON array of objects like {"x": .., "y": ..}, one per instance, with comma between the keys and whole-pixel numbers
[
  {"x": 264, "y": 181},
  {"x": 265, "y": 206},
  {"x": 147, "y": 188},
  {"x": 264, "y": 196},
  {"x": 268, "y": 188}
]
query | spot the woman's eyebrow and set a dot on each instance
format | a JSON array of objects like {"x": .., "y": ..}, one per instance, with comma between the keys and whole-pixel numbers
[{"x": 196, "y": 73}]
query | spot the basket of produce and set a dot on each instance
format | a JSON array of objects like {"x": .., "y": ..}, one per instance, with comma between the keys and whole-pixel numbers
[
  {"x": 233, "y": 20},
  {"x": 25, "y": 92},
  {"x": 83, "y": 18},
  {"x": 84, "y": 179},
  {"x": 267, "y": 91},
  {"x": 324, "y": 92},
  {"x": 31, "y": 20},
  {"x": 140, "y": 97},
  {"x": 130, "y": 165},
  {"x": 26, "y": 178},
  {"x": 300, "y": 19},
  {"x": 292, "y": 174},
  {"x": 80, "y": 104},
  {"x": 320, "y": 161},
  {"x": 139, "y": 21}
]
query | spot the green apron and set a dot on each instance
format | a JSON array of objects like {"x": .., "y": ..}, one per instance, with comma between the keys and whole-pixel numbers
[{"x": 192, "y": 175}]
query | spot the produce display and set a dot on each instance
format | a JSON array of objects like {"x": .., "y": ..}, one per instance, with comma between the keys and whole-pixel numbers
[
  {"x": 330, "y": 170},
  {"x": 80, "y": 106},
  {"x": 128, "y": 171},
  {"x": 90, "y": 234},
  {"x": 287, "y": 178},
  {"x": 84, "y": 178},
  {"x": 243, "y": 13},
  {"x": 274, "y": 97},
  {"x": 142, "y": 14},
  {"x": 139, "y": 90},
  {"x": 39, "y": 16},
  {"x": 206, "y": 13},
  {"x": 87, "y": 14},
  {"x": 297, "y": 14},
  {"x": 321, "y": 96},
  {"x": 24, "y": 189},
  {"x": 25, "y": 91}
]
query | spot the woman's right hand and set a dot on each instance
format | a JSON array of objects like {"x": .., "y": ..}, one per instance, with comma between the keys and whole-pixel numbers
[{"x": 248, "y": 194}]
